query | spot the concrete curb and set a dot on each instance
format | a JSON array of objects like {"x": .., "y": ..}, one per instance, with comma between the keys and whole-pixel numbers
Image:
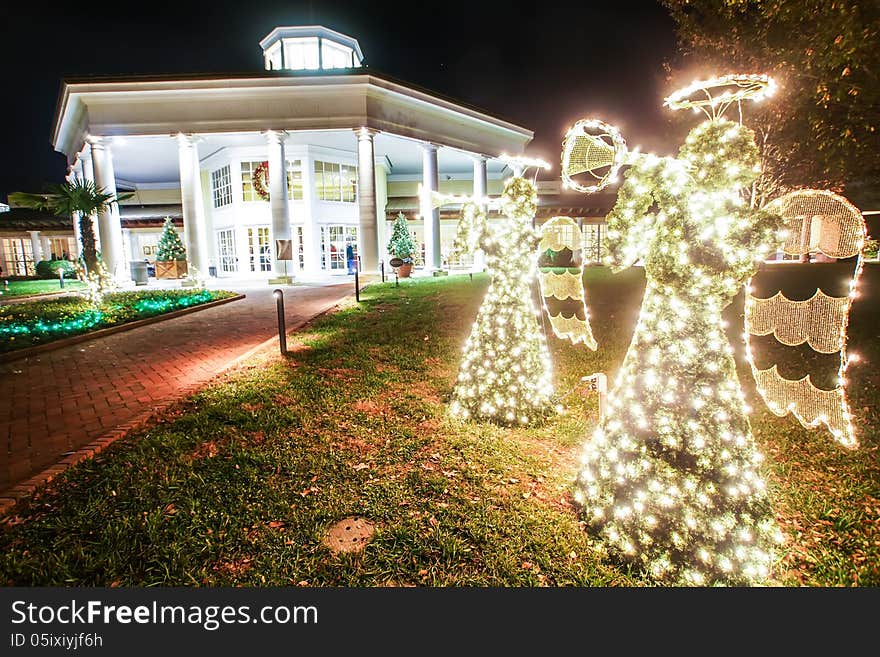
[
  {"x": 110, "y": 330},
  {"x": 9, "y": 498}
]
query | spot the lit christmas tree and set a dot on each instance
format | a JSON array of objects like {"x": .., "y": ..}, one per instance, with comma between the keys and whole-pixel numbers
[
  {"x": 505, "y": 374},
  {"x": 671, "y": 479},
  {"x": 401, "y": 244},
  {"x": 170, "y": 247}
]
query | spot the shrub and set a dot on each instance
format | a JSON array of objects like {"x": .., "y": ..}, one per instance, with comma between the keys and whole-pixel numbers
[{"x": 49, "y": 268}]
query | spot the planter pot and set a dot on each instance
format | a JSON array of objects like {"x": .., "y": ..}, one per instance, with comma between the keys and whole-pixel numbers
[
  {"x": 405, "y": 270},
  {"x": 171, "y": 268}
]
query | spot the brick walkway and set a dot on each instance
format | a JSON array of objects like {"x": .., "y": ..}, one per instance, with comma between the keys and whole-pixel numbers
[{"x": 56, "y": 402}]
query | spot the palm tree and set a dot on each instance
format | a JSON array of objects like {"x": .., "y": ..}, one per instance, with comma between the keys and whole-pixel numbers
[{"x": 66, "y": 200}]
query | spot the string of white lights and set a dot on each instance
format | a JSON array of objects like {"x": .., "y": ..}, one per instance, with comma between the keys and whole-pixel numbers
[
  {"x": 821, "y": 321},
  {"x": 671, "y": 479}
]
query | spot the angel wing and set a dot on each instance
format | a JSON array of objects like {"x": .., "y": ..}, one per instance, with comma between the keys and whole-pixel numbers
[
  {"x": 562, "y": 283},
  {"x": 824, "y": 222}
]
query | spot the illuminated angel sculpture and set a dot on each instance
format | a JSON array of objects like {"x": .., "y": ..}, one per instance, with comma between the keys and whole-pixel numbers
[
  {"x": 671, "y": 478},
  {"x": 505, "y": 371}
]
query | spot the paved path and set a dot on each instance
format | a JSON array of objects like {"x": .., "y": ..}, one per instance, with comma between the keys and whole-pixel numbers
[{"x": 58, "y": 401}]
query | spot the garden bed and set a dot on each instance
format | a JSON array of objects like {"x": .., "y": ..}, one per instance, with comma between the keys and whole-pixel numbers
[
  {"x": 29, "y": 324},
  {"x": 240, "y": 484}
]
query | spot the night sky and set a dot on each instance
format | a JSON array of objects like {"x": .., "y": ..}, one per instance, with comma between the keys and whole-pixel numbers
[{"x": 541, "y": 65}]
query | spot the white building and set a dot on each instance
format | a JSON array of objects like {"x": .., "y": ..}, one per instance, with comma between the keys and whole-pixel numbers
[{"x": 348, "y": 140}]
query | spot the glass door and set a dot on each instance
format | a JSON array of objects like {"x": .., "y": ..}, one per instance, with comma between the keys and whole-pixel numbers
[
  {"x": 226, "y": 247},
  {"x": 335, "y": 251},
  {"x": 259, "y": 252}
]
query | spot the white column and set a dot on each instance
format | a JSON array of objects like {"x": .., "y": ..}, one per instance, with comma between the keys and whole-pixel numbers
[
  {"x": 88, "y": 175},
  {"x": 194, "y": 224},
  {"x": 381, "y": 202},
  {"x": 368, "y": 231},
  {"x": 45, "y": 247},
  {"x": 481, "y": 187},
  {"x": 279, "y": 204},
  {"x": 109, "y": 225},
  {"x": 76, "y": 176},
  {"x": 36, "y": 246},
  {"x": 430, "y": 214},
  {"x": 311, "y": 230}
]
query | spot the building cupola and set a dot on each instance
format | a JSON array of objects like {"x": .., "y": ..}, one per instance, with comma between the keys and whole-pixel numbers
[{"x": 309, "y": 48}]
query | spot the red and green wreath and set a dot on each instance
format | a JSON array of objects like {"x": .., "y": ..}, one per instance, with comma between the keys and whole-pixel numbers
[{"x": 260, "y": 179}]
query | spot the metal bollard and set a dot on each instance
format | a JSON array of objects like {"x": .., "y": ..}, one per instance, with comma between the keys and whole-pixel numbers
[
  {"x": 282, "y": 327},
  {"x": 357, "y": 287},
  {"x": 382, "y": 269},
  {"x": 61, "y": 277}
]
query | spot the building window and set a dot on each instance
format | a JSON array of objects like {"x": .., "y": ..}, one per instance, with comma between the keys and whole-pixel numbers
[
  {"x": 334, "y": 243},
  {"x": 301, "y": 53},
  {"x": 226, "y": 244},
  {"x": 273, "y": 57},
  {"x": 334, "y": 55},
  {"x": 259, "y": 252},
  {"x": 248, "y": 193},
  {"x": 19, "y": 257},
  {"x": 59, "y": 248},
  {"x": 335, "y": 182},
  {"x": 593, "y": 248},
  {"x": 348, "y": 179},
  {"x": 294, "y": 180},
  {"x": 221, "y": 187},
  {"x": 301, "y": 254}
]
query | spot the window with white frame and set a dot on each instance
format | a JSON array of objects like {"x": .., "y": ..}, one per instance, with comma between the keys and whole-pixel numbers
[
  {"x": 221, "y": 187},
  {"x": 273, "y": 57},
  {"x": 335, "y": 181},
  {"x": 294, "y": 180},
  {"x": 300, "y": 247},
  {"x": 334, "y": 55},
  {"x": 60, "y": 248},
  {"x": 301, "y": 53},
  {"x": 248, "y": 193},
  {"x": 19, "y": 257},
  {"x": 348, "y": 180}
]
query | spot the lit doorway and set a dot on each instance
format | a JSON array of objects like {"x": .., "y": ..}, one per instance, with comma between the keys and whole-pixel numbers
[
  {"x": 334, "y": 243},
  {"x": 226, "y": 248},
  {"x": 259, "y": 251}
]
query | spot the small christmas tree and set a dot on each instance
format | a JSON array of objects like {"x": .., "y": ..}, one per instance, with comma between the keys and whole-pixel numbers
[
  {"x": 401, "y": 244},
  {"x": 170, "y": 247}
]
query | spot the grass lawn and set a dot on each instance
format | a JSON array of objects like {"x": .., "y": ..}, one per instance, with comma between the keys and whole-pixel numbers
[
  {"x": 34, "y": 287},
  {"x": 36, "y": 322},
  {"x": 238, "y": 485}
]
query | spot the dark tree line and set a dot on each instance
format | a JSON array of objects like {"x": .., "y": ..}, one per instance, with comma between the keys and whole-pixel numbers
[{"x": 823, "y": 126}]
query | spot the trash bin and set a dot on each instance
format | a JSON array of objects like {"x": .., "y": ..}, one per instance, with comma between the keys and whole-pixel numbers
[
  {"x": 139, "y": 272},
  {"x": 212, "y": 271}
]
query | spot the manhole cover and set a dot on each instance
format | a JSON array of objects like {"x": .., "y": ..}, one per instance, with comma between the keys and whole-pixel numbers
[{"x": 349, "y": 535}]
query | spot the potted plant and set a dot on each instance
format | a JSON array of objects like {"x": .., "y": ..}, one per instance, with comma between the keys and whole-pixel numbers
[
  {"x": 402, "y": 246},
  {"x": 170, "y": 253}
]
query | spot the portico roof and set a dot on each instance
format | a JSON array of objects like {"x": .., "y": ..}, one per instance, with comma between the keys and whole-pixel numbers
[
  {"x": 274, "y": 100},
  {"x": 24, "y": 219}
]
